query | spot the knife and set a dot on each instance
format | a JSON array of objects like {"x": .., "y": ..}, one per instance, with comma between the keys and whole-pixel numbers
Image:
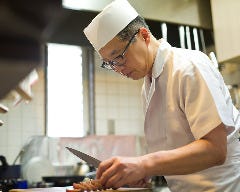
[{"x": 87, "y": 158}]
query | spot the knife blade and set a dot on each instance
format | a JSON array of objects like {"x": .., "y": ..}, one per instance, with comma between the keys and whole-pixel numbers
[{"x": 87, "y": 158}]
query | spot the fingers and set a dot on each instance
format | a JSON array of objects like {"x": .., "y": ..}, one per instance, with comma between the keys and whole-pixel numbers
[
  {"x": 108, "y": 172},
  {"x": 119, "y": 171},
  {"x": 102, "y": 167},
  {"x": 114, "y": 181}
]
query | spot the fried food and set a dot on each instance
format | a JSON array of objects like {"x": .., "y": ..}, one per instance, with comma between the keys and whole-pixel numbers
[{"x": 85, "y": 186}]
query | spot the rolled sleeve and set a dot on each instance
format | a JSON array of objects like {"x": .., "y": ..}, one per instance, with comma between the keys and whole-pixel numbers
[{"x": 204, "y": 100}]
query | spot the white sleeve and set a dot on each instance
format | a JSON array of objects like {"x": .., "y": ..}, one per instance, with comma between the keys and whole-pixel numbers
[{"x": 205, "y": 99}]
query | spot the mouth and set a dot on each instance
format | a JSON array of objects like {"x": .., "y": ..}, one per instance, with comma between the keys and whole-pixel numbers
[
  {"x": 126, "y": 73},
  {"x": 129, "y": 74}
]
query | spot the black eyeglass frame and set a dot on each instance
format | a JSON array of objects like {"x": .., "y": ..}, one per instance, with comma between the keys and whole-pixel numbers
[{"x": 110, "y": 64}]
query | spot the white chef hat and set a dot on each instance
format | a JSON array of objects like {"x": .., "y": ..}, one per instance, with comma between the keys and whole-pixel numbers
[{"x": 109, "y": 22}]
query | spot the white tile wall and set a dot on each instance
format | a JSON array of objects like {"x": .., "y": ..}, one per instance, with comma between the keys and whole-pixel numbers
[
  {"x": 117, "y": 99},
  {"x": 22, "y": 121}
]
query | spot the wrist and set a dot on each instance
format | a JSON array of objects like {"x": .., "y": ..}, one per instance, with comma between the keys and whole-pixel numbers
[{"x": 146, "y": 165}]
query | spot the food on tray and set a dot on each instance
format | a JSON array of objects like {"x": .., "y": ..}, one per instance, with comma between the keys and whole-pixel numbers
[{"x": 88, "y": 185}]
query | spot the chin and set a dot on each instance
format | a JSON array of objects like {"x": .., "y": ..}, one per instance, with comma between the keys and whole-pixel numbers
[{"x": 135, "y": 78}]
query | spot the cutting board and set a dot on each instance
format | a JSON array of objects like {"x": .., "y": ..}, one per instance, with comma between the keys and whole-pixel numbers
[{"x": 63, "y": 189}]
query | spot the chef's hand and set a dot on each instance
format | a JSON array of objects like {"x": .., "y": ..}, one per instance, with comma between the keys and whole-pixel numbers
[{"x": 121, "y": 171}]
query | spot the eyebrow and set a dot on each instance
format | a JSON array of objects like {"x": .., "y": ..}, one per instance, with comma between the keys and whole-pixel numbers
[{"x": 114, "y": 52}]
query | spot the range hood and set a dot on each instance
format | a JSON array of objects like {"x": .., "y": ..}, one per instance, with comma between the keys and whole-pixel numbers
[
  {"x": 27, "y": 25},
  {"x": 24, "y": 27}
]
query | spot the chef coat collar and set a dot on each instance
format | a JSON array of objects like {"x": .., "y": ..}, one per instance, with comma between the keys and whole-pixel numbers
[{"x": 160, "y": 58}]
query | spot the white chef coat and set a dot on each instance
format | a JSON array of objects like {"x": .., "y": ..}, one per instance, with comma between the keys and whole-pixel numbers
[{"x": 186, "y": 99}]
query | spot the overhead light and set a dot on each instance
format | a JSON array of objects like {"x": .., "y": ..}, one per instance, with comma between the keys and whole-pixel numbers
[
  {"x": 94, "y": 5},
  {"x": 73, "y": 4}
]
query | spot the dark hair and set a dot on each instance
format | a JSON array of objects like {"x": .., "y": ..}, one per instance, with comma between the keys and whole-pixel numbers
[{"x": 132, "y": 28}]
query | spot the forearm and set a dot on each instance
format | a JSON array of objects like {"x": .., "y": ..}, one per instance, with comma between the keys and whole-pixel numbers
[{"x": 191, "y": 158}]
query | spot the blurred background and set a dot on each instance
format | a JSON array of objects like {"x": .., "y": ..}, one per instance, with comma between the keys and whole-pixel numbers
[{"x": 54, "y": 93}]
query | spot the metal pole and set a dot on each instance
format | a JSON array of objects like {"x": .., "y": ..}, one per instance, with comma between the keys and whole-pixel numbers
[{"x": 91, "y": 91}]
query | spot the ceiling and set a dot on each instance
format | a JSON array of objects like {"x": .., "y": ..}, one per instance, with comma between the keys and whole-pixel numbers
[{"x": 26, "y": 25}]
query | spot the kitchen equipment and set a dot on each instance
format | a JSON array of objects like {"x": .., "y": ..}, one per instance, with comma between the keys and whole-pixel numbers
[
  {"x": 87, "y": 158},
  {"x": 196, "y": 41},
  {"x": 182, "y": 36},
  {"x": 188, "y": 36},
  {"x": 36, "y": 168},
  {"x": 203, "y": 41},
  {"x": 3, "y": 108},
  {"x": 82, "y": 168},
  {"x": 9, "y": 175},
  {"x": 63, "y": 181},
  {"x": 164, "y": 30},
  {"x": 9, "y": 171}
]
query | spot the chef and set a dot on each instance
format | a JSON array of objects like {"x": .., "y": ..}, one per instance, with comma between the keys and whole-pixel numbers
[{"x": 191, "y": 126}]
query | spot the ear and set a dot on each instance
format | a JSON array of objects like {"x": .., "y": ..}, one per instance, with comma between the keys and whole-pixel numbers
[{"x": 145, "y": 34}]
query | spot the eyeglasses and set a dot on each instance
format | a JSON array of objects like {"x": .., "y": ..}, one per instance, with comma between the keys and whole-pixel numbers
[{"x": 118, "y": 61}]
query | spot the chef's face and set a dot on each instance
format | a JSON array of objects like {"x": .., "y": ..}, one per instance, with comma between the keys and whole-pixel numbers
[{"x": 129, "y": 58}]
